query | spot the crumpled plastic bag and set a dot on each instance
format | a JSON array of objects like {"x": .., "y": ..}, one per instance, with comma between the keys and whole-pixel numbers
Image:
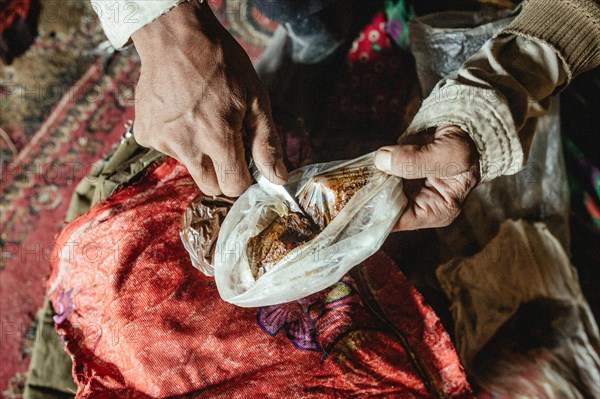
[
  {"x": 200, "y": 225},
  {"x": 349, "y": 235}
]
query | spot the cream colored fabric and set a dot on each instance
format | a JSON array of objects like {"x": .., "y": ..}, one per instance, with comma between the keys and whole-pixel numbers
[
  {"x": 523, "y": 262},
  {"x": 121, "y": 19},
  {"x": 125, "y": 162}
]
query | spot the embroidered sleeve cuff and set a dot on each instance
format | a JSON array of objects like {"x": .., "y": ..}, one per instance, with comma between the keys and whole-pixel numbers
[
  {"x": 121, "y": 19},
  {"x": 484, "y": 114}
]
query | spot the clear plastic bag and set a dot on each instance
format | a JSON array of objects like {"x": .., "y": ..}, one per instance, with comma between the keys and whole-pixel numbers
[{"x": 355, "y": 219}]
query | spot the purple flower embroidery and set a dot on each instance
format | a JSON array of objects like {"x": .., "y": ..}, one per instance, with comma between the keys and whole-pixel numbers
[
  {"x": 293, "y": 316},
  {"x": 65, "y": 306},
  {"x": 394, "y": 28}
]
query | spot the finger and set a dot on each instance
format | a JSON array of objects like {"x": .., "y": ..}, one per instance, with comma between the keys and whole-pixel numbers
[
  {"x": 426, "y": 210},
  {"x": 436, "y": 203},
  {"x": 230, "y": 165},
  {"x": 202, "y": 170},
  {"x": 264, "y": 142}
]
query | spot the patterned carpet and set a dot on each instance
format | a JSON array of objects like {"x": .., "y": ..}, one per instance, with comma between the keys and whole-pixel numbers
[{"x": 40, "y": 165}]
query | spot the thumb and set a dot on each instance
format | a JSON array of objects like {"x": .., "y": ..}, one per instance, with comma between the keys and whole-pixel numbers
[
  {"x": 406, "y": 161},
  {"x": 445, "y": 157},
  {"x": 264, "y": 143}
]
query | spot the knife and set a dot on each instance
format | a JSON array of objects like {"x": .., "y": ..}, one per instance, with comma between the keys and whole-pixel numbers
[{"x": 276, "y": 189}]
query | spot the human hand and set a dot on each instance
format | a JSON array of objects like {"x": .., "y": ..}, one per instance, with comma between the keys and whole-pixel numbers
[
  {"x": 197, "y": 95},
  {"x": 440, "y": 169}
]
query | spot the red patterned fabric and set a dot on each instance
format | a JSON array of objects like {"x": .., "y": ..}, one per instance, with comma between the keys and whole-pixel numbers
[{"x": 141, "y": 322}]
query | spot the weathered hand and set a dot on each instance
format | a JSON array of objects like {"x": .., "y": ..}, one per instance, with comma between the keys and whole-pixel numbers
[
  {"x": 440, "y": 169},
  {"x": 198, "y": 95}
]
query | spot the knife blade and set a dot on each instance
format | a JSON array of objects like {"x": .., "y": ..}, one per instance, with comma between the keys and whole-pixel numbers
[{"x": 276, "y": 189}]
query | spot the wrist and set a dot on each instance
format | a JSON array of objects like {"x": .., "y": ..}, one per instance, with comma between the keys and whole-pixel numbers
[{"x": 183, "y": 23}]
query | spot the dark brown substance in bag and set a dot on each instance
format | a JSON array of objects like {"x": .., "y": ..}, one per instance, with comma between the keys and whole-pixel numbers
[
  {"x": 335, "y": 190},
  {"x": 323, "y": 198},
  {"x": 278, "y": 239}
]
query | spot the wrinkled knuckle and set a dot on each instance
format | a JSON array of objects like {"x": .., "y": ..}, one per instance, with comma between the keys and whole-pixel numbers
[
  {"x": 223, "y": 126},
  {"x": 183, "y": 144},
  {"x": 228, "y": 136}
]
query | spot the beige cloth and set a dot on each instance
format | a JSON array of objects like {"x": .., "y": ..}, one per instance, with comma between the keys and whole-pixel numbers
[
  {"x": 49, "y": 375},
  {"x": 122, "y": 164},
  {"x": 493, "y": 97},
  {"x": 523, "y": 262}
]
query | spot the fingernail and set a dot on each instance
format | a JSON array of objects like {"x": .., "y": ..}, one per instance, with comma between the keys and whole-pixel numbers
[{"x": 383, "y": 160}]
